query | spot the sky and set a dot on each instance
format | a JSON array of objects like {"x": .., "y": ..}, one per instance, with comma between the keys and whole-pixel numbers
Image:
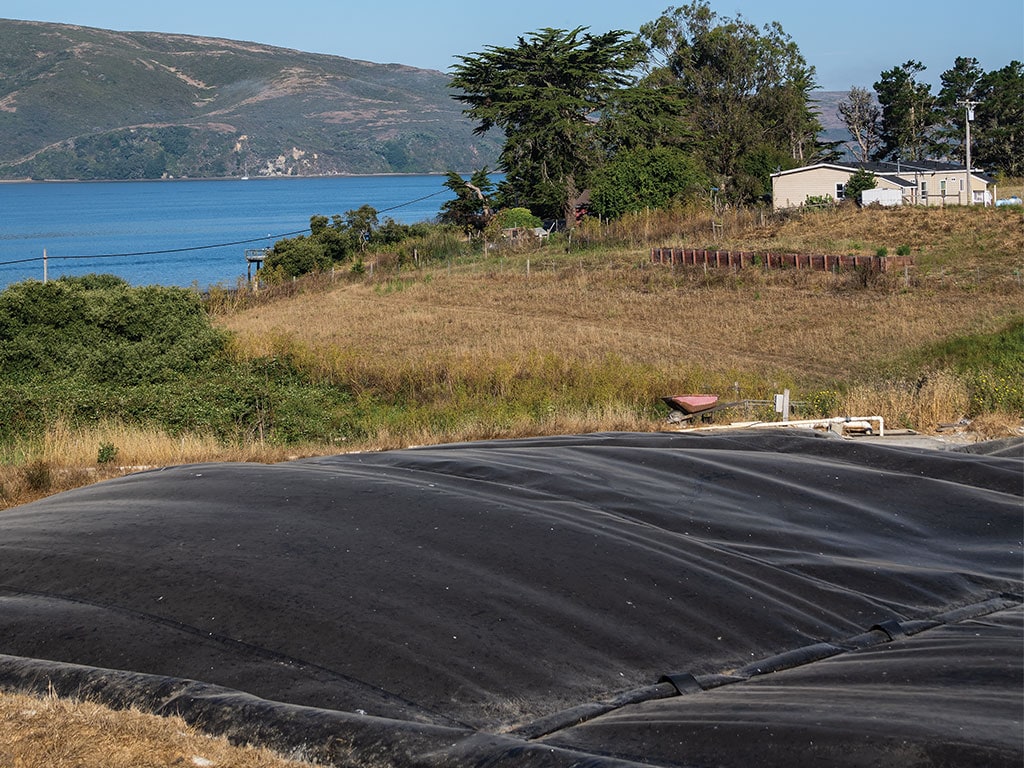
[{"x": 848, "y": 43}]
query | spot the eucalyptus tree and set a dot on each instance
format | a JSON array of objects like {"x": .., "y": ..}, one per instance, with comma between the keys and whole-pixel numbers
[
  {"x": 746, "y": 92},
  {"x": 907, "y": 113},
  {"x": 862, "y": 117},
  {"x": 545, "y": 93}
]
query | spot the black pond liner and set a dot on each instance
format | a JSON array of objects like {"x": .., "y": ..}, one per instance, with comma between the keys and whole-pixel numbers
[{"x": 729, "y": 599}]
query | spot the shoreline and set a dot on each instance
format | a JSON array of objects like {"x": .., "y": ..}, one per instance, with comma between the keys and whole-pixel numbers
[{"x": 228, "y": 178}]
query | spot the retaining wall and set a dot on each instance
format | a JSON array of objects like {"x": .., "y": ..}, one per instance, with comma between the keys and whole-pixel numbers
[{"x": 742, "y": 259}]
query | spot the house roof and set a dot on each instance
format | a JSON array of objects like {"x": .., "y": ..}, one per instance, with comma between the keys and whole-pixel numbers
[
  {"x": 899, "y": 181},
  {"x": 891, "y": 169}
]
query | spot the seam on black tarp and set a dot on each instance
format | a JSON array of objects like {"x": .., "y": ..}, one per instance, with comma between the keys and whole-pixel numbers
[
  {"x": 240, "y": 645},
  {"x": 674, "y": 684}
]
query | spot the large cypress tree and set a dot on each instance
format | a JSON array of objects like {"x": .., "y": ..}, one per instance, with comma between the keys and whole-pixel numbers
[
  {"x": 544, "y": 93},
  {"x": 959, "y": 84}
]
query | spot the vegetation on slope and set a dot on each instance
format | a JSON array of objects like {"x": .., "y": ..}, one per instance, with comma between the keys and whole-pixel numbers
[
  {"x": 521, "y": 339},
  {"x": 83, "y": 103},
  {"x": 82, "y": 351}
]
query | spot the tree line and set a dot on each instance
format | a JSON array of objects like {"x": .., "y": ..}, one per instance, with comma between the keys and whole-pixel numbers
[
  {"x": 903, "y": 120},
  {"x": 698, "y": 105}
]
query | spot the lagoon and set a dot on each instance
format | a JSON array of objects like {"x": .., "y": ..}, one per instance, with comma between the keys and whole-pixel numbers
[{"x": 184, "y": 233}]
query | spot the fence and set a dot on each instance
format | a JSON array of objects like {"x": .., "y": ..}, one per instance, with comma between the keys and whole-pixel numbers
[{"x": 743, "y": 259}]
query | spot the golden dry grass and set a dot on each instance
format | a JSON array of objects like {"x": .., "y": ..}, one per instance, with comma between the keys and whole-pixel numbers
[
  {"x": 806, "y": 327},
  {"x": 66, "y": 457},
  {"x": 48, "y": 732},
  {"x": 940, "y": 399},
  {"x": 610, "y": 321},
  {"x": 595, "y": 337}
]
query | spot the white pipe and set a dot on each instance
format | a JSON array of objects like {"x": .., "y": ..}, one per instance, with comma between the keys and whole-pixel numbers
[{"x": 811, "y": 423}]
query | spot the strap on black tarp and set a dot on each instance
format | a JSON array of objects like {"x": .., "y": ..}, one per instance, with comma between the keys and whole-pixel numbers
[{"x": 684, "y": 682}]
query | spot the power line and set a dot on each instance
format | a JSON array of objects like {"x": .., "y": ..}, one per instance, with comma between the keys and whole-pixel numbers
[
  {"x": 157, "y": 253},
  {"x": 197, "y": 247}
]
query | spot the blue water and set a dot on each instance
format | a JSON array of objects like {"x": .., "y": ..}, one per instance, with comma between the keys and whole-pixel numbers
[{"x": 87, "y": 226}]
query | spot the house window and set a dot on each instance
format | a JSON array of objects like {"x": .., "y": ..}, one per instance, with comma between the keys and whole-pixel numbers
[
  {"x": 924, "y": 189},
  {"x": 840, "y": 191},
  {"x": 942, "y": 187}
]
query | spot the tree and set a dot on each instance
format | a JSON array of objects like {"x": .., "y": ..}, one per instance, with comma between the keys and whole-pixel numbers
[
  {"x": 907, "y": 115},
  {"x": 544, "y": 93},
  {"x": 959, "y": 84},
  {"x": 293, "y": 257},
  {"x": 857, "y": 183},
  {"x": 861, "y": 116},
  {"x": 363, "y": 222},
  {"x": 998, "y": 132},
  {"x": 647, "y": 115},
  {"x": 746, "y": 91},
  {"x": 470, "y": 210},
  {"x": 645, "y": 178}
]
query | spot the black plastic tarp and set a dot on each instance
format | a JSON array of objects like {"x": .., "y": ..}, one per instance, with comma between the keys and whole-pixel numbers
[{"x": 770, "y": 598}]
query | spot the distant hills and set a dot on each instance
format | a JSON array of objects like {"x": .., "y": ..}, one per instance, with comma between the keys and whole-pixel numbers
[{"x": 84, "y": 103}]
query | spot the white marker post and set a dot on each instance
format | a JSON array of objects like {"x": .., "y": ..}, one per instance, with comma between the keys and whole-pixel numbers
[{"x": 782, "y": 404}]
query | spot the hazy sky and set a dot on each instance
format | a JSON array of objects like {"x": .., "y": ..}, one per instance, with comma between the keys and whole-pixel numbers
[{"x": 849, "y": 43}]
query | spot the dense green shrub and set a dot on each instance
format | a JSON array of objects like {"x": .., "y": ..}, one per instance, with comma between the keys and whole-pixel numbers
[
  {"x": 858, "y": 182},
  {"x": 644, "y": 178},
  {"x": 93, "y": 348},
  {"x": 102, "y": 329},
  {"x": 510, "y": 218},
  {"x": 340, "y": 239},
  {"x": 293, "y": 257}
]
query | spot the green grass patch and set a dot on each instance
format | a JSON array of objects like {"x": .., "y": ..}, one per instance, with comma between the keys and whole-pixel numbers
[{"x": 991, "y": 364}]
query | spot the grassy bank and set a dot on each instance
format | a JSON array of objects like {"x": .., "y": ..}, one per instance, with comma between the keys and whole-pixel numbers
[
  {"x": 528, "y": 340},
  {"x": 570, "y": 336}
]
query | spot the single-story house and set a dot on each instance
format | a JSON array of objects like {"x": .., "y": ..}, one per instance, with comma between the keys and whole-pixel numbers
[{"x": 924, "y": 182}]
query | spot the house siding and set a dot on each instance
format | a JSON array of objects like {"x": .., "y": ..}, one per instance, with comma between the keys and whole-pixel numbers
[{"x": 791, "y": 189}]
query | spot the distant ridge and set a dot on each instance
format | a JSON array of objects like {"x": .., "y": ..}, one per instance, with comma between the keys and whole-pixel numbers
[{"x": 84, "y": 103}]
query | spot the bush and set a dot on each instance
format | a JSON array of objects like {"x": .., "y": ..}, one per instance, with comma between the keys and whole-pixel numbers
[
  {"x": 510, "y": 218},
  {"x": 819, "y": 201},
  {"x": 857, "y": 183},
  {"x": 294, "y": 257},
  {"x": 644, "y": 178},
  {"x": 106, "y": 454},
  {"x": 38, "y": 476},
  {"x": 101, "y": 329}
]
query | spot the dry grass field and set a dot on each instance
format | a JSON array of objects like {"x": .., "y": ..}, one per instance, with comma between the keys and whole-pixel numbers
[
  {"x": 48, "y": 732},
  {"x": 594, "y": 339},
  {"x": 563, "y": 339}
]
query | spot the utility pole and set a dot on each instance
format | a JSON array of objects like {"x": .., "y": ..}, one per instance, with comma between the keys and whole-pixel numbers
[{"x": 968, "y": 106}]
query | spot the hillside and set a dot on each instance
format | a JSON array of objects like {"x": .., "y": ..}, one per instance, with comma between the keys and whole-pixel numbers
[{"x": 84, "y": 103}]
